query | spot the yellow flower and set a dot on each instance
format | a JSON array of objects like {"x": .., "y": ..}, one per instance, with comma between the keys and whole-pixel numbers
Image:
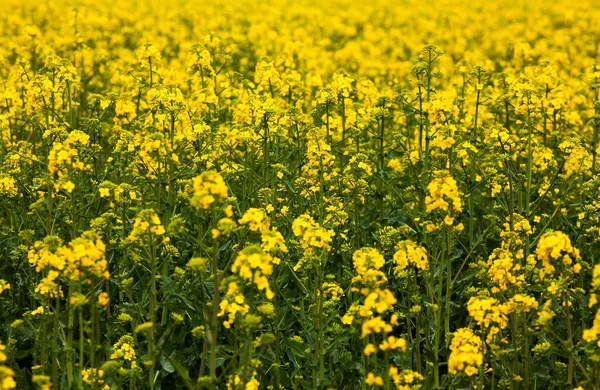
[
  {"x": 145, "y": 327},
  {"x": 84, "y": 256},
  {"x": 4, "y": 285},
  {"x": 443, "y": 195},
  {"x": 374, "y": 380},
  {"x": 256, "y": 219},
  {"x": 103, "y": 299},
  {"x": 333, "y": 290},
  {"x": 7, "y": 378},
  {"x": 78, "y": 299},
  {"x": 146, "y": 222},
  {"x": 2, "y": 354},
  {"x": 197, "y": 263},
  {"x": 311, "y": 234},
  {"x": 554, "y": 248},
  {"x": 409, "y": 253},
  {"x": 8, "y": 186},
  {"x": 124, "y": 349},
  {"x": 38, "y": 311},
  {"x": 148, "y": 55},
  {"x": 545, "y": 315},
  {"x": 272, "y": 240},
  {"x": 92, "y": 376},
  {"x": 253, "y": 264},
  {"x": 465, "y": 353},
  {"x": 69, "y": 186},
  {"x": 367, "y": 258},
  {"x": 369, "y": 349},
  {"x": 208, "y": 188},
  {"x": 233, "y": 303},
  {"x": 347, "y": 319},
  {"x": 392, "y": 343},
  {"x": 487, "y": 312},
  {"x": 375, "y": 325}
]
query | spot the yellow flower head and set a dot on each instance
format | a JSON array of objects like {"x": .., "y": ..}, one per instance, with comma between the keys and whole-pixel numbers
[
  {"x": 466, "y": 356},
  {"x": 208, "y": 188},
  {"x": 443, "y": 195}
]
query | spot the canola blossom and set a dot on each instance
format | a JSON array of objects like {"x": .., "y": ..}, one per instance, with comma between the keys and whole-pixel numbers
[{"x": 289, "y": 195}]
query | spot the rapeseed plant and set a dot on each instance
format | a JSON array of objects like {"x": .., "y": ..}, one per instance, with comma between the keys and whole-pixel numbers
[{"x": 249, "y": 195}]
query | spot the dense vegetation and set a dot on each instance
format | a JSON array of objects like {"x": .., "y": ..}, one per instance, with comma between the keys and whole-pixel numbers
[{"x": 279, "y": 194}]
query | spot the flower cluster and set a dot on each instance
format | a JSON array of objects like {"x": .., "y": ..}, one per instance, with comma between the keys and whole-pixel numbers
[
  {"x": 4, "y": 285},
  {"x": 82, "y": 258},
  {"x": 409, "y": 253},
  {"x": 234, "y": 302},
  {"x": 124, "y": 350},
  {"x": 208, "y": 188},
  {"x": 443, "y": 195},
  {"x": 147, "y": 224},
  {"x": 254, "y": 265},
  {"x": 286, "y": 194},
  {"x": 377, "y": 303},
  {"x": 312, "y": 236},
  {"x": 466, "y": 353},
  {"x": 554, "y": 249},
  {"x": 65, "y": 159}
]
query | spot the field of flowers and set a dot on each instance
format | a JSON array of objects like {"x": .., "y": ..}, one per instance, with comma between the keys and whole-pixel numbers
[{"x": 289, "y": 195}]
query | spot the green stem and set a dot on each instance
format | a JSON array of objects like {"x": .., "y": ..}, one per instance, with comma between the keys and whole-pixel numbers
[
  {"x": 69, "y": 349},
  {"x": 474, "y": 134},
  {"x": 81, "y": 342},
  {"x": 55, "y": 345},
  {"x": 215, "y": 305},
  {"x": 515, "y": 363},
  {"x": 570, "y": 342},
  {"x": 380, "y": 164},
  {"x": 438, "y": 323},
  {"x": 448, "y": 278},
  {"x": 152, "y": 311},
  {"x": 418, "y": 343}
]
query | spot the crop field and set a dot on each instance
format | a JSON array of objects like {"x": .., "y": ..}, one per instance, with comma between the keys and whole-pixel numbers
[{"x": 277, "y": 194}]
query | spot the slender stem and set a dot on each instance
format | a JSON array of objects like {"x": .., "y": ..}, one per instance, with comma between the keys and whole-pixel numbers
[
  {"x": 150, "y": 69},
  {"x": 421, "y": 120},
  {"x": 570, "y": 342},
  {"x": 474, "y": 133},
  {"x": 448, "y": 278},
  {"x": 529, "y": 161},
  {"x": 81, "y": 340},
  {"x": 438, "y": 323},
  {"x": 418, "y": 343},
  {"x": 69, "y": 349},
  {"x": 343, "y": 144},
  {"x": 215, "y": 305},
  {"x": 380, "y": 163},
  {"x": 527, "y": 353},
  {"x": 387, "y": 365},
  {"x": 55, "y": 345},
  {"x": 94, "y": 324},
  {"x": 515, "y": 363},
  {"x": 152, "y": 310}
]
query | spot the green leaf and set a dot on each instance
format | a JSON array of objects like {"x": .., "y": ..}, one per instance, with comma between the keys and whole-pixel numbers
[
  {"x": 167, "y": 365},
  {"x": 181, "y": 371}
]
